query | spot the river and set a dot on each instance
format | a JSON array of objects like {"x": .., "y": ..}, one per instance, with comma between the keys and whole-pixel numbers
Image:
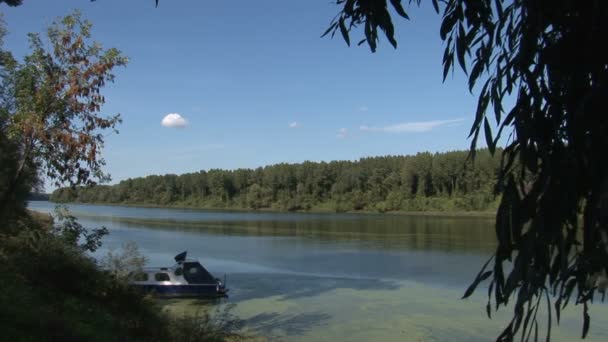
[{"x": 332, "y": 277}]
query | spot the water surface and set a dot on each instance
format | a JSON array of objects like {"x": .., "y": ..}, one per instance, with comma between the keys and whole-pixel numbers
[{"x": 328, "y": 277}]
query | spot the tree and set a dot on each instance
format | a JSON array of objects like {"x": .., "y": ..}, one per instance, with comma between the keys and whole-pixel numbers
[
  {"x": 549, "y": 55},
  {"x": 73, "y": 233},
  {"x": 50, "y": 117}
]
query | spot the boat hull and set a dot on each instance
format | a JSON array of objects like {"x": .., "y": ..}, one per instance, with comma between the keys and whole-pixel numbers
[{"x": 183, "y": 291}]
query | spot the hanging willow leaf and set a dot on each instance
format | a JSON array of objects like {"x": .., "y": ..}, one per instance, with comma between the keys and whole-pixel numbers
[
  {"x": 370, "y": 35},
  {"x": 436, "y": 6},
  {"x": 447, "y": 25},
  {"x": 331, "y": 28},
  {"x": 390, "y": 33},
  {"x": 344, "y": 31},
  {"x": 475, "y": 73},
  {"x": 481, "y": 276},
  {"x": 461, "y": 47},
  {"x": 447, "y": 65},
  {"x": 476, "y": 282},
  {"x": 531, "y": 52},
  {"x": 488, "y": 134},
  {"x": 397, "y": 5},
  {"x": 548, "y": 315},
  {"x": 558, "y": 308},
  {"x": 586, "y": 320}
]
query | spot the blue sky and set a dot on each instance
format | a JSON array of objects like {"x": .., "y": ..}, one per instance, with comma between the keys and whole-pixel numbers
[{"x": 257, "y": 85}]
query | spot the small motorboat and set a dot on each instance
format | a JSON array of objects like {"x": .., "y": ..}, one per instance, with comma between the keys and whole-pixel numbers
[{"x": 187, "y": 278}]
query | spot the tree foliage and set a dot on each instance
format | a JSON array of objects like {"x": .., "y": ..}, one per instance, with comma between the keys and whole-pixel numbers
[
  {"x": 441, "y": 182},
  {"x": 50, "y": 287},
  {"x": 549, "y": 56},
  {"x": 12, "y": 3},
  {"x": 74, "y": 234},
  {"x": 50, "y": 111}
]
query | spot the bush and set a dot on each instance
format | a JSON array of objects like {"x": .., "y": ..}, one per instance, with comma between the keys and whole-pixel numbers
[
  {"x": 206, "y": 326},
  {"x": 124, "y": 263},
  {"x": 52, "y": 290}
]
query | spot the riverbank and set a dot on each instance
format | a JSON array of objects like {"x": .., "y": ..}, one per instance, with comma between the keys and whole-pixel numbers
[
  {"x": 51, "y": 289},
  {"x": 321, "y": 209}
]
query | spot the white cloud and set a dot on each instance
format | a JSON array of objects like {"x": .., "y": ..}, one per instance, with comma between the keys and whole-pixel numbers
[
  {"x": 174, "y": 120},
  {"x": 294, "y": 124},
  {"x": 411, "y": 127},
  {"x": 342, "y": 133}
]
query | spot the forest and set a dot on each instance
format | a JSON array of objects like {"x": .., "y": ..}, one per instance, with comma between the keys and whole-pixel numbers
[{"x": 448, "y": 181}]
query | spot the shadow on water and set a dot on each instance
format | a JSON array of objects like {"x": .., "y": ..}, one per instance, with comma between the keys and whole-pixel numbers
[
  {"x": 266, "y": 324},
  {"x": 297, "y": 324},
  {"x": 255, "y": 286}
]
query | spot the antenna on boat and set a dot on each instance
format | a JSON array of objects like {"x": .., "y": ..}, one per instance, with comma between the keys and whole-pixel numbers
[
  {"x": 181, "y": 257},
  {"x": 225, "y": 286}
]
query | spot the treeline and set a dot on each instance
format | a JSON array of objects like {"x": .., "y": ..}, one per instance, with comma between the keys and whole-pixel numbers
[{"x": 440, "y": 181}]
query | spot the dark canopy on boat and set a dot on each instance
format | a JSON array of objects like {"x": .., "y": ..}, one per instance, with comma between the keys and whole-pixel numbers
[
  {"x": 195, "y": 273},
  {"x": 181, "y": 257}
]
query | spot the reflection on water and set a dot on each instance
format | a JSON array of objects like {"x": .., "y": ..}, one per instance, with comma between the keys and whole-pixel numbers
[
  {"x": 331, "y": 277},
  {"x": 465, "y": 234}
]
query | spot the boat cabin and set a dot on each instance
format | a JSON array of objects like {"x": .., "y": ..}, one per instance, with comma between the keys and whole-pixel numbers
[{"x": 186, "y": 278}]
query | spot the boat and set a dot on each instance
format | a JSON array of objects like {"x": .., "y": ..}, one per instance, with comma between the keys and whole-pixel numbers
[{"x": 187, "y": 278}]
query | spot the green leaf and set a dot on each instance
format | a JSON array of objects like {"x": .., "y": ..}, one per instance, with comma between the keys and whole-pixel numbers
[
  {"x": 568, "y": 291},
  {"x": 525, "y": 327},
  {"x": 399, "y": 8},
  {"x": 344, "y": 31},
  {"x": 481, "y": 276},
  {"x": 448, "y": 23},
  {"x": 475, "y": 283},
  {"x": 558, "y": 308},
  {"x": 461, "y": 47},
  {"x": 370, "y": 35},
  {"x": 586, "y": 320},
  {"x": 499, "y": 9},
  {"x": 447, "y": 64},
  {"x": 436, "y": 6},
  {"x": 488, "y": 134},
  {"x": 329, "y": 29},
  {"x": 507, "y": 334},
  {"x": 389, "y": 30},
  {"x": 477, "y": 69},
  {"x": 349, "y": 7},
  {"x": 482, "y": 104},
  {"x": 548, "y": 316}
]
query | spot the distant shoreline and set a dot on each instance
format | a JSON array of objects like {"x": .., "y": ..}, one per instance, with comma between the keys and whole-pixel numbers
[{"x": 456, "y": 213}]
